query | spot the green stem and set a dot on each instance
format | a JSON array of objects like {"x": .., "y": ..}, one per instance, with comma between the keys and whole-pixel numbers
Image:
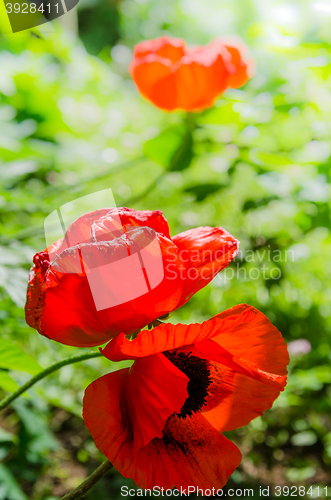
[
  {"x": 189, "y": 121},
  {"x": 89, "y": 482},
  {"x": 74, "y": 359}
]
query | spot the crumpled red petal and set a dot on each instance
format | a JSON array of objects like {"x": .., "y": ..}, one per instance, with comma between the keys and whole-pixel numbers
[
  {"x": 191, "y": 452},
  {"x": 80, "y": 230},
  {"x": 205, "y": 251},
  {"x": 77, "y": 233},
  {"x": 35, "y": 281},
  {"x": 69, "y": 313},
  {"x": 167, "y": 336},
  {"x": 162, "y": 338},
  {"x": 73, "y": 296}
]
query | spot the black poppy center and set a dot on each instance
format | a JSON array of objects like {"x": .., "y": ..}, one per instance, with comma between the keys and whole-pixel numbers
[{"x": 197, "y": 370}]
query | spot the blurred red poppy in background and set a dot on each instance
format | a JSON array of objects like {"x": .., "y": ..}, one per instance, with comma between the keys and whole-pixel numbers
[
  {"x": 174, "y": 76},
  {"x": 117, "y": 270},
  {"x": 160, "y": 421}
]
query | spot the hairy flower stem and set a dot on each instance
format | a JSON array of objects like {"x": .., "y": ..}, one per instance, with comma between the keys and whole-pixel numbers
[
  {"x": 89, "y": 482},
  {"x": 74, "y": 359}
]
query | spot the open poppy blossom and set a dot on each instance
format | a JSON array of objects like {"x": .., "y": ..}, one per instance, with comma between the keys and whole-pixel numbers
[
  {"x": 160, "y": 421},
  {"x": 117, "y": 270},
  {"x": 174, "y": 76}
]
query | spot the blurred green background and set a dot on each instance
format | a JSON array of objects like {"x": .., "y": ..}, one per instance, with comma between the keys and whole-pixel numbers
[{"x": 72, "y": 123}]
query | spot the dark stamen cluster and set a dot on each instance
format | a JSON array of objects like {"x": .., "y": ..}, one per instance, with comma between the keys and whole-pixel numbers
[{"x": 197, "y": 370}]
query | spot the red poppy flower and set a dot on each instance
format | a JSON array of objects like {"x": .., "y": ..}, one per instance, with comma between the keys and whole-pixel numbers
[
  {"x": 160, "y": 421},
  {"x": 240, "y": 60},
  {"x": 117, "y": 270},
  {"x": 174, "y": 76}
]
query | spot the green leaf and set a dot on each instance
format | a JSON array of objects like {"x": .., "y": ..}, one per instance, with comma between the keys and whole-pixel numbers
[
  {"x": 13, "y": 358},
  {"x": 201, "y": 191},
  {"x": 173, "y": 148},
  {"x": 6, "y": 382},
  {"x": 270, "y": 160},
  {"x": 9, "y": 489},
  {"x": 162, "y": 148},
  {"x": 261, "y": 202},
  {"x": 42, "y": 438},
  {"x": 183, "y": 156}
]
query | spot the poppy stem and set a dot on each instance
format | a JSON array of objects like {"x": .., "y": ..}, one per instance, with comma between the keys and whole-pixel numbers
[
  {"x": 89, "y": 482},
  {"x": 74, "y": 359},
  {"x": 190, "y": 122}
]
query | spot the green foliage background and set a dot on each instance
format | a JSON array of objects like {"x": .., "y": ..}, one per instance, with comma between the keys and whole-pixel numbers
[{"x": 72, "y": 123}]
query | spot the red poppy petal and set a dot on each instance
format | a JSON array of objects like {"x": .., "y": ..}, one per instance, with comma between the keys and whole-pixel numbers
[
  {"x": 191, "y": 453},
  {"x": 243, "y": 66},
  {"x": 207, "y": 456},
  {"x": 164, "y": 93},
  {"x": 206, "y": 251},
  {"x": 246, "y": 399},
  {"x": 214, "y": 352},
  {"x": 248, "y": 334},
  {"x": 201, "y": 76},
  {"x": 162, "y": 338},
  {"x": 254, "y": 343},
  {"x": 103, "y": 414},
  {"x": 154, "y": 78},
  {"x": 94, "y": 307},
  {"x": 35, "y": 281},
  {"x": 167, "y": 47},
  {"x": 153, "y": 219},
  {"x": 80, "y": 230},
  {"x": 155, "y": 390},
  {"x": 68, "y": 314}
]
